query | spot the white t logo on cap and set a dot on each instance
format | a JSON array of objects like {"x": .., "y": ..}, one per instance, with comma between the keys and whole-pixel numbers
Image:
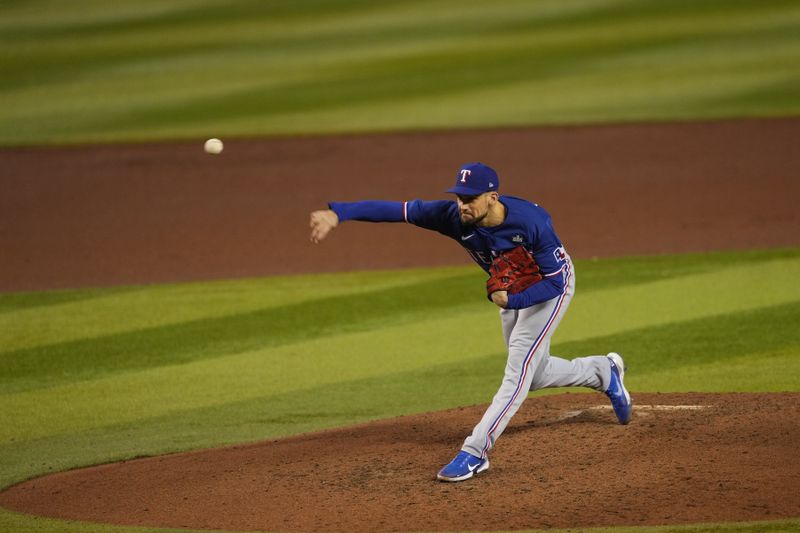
[{"x": 464, "y": 173}]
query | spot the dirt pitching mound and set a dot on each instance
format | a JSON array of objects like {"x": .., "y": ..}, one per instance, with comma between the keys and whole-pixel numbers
[{"x": 563, "y": 462}]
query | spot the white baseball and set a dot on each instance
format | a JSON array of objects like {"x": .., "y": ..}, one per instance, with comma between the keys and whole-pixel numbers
[{"x": 213, "y": 146}]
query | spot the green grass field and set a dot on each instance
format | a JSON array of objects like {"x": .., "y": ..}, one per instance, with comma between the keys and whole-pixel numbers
[
  {"x": 147, "y": 69},
  {"x": 98, "y": 375}
]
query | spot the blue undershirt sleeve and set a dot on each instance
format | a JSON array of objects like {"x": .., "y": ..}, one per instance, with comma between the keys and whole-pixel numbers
[
  {"x": 369, "y": 211},
  {"x": 546, "y": 289}
]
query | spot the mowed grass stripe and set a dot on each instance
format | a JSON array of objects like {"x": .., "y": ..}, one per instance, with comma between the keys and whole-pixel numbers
[
  {"x": 528, "y": 55},
  {"x": 594, "y": 313},
  {"x": 256, "y": 68},
  {"x": 130, "y": 395},
  {"x": 269, "y": 415},
  {"x": 17, "y": 302},
  {"x": 35, "y": 319},
  {"x": 392, "y": 344},
  {"x": 696, "y": 355},
  {"x": 11, "y": 522},
  {"x": 775, "y": 371},
  {"x": 212, "y": 337},
  {"x": 41, "y": 318},
  {"x": 345, "y": 96},
  {"x": 679, "y": 299},
  {"x": 761, "y": 334},
  {"x": 473, "y": 71}
]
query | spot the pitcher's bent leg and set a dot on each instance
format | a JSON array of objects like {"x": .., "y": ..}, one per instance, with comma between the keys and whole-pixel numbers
[
  {"x": 528, "y": 346},
  {"x": 593, "y": 371}
]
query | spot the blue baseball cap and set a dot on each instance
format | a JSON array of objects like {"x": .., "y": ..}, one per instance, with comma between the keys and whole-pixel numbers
[{"x": 473, "y": 179}]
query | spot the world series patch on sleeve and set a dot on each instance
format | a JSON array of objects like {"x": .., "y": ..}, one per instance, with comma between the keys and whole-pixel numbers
[{"x": 512, "y": 271}]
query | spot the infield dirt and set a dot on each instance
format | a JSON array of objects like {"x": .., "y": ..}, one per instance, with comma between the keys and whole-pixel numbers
[
  {"x": 563, "y": 462},
  {"x": 90, "y": 216},
  {"x": 110, "y": 215}
]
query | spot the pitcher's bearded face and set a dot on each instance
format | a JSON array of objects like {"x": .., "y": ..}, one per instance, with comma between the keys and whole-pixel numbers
[{"x": 473, "y": 209}]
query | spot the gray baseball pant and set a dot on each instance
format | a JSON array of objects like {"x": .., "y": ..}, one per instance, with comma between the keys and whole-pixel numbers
[{"x": 530, "y": 366}]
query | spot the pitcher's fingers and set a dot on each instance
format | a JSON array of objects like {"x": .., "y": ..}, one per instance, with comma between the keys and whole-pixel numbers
[{"x": 317, "y": 234}]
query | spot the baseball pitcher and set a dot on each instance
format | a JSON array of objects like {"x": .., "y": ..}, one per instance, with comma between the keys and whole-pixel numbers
[{"x": 531, "y": 279}]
